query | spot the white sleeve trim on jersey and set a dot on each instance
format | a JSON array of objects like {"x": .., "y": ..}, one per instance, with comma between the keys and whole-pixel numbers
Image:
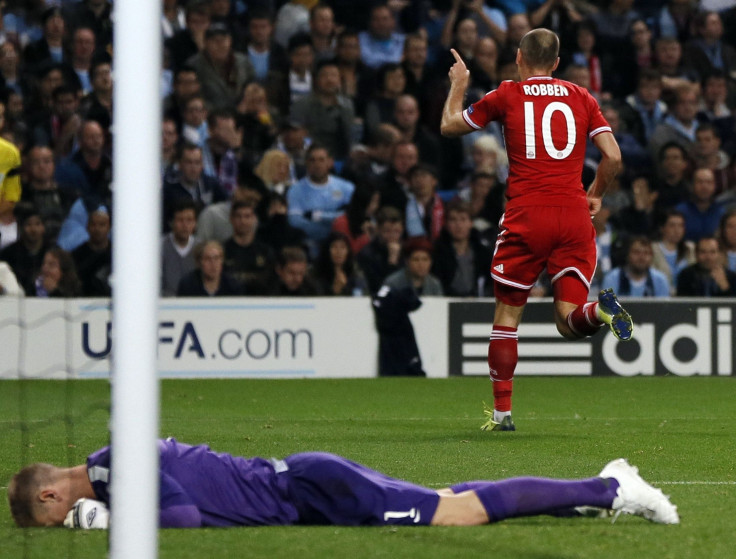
[
  {"x": 599, "y": 130},
  {"x": 470, "y": 122}
]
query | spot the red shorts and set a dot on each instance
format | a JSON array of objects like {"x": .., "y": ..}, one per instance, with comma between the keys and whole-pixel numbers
[{"x": 562, "y": 239}]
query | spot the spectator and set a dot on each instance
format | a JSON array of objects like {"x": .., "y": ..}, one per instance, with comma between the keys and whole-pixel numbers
[
  {"x": 258, "y": 124},
  {"x": 645, "y": 110},
  {"x": 286, "y": 89},
  {"x": 381, "y": 43},
  {"x": 326, "y": 113},
  {"x": 97, "y": 105},
  {"x": 382, "y": 256},
  {"x": 222, "y": 72},
  {"x": 60, "y": 128},
  {"x": 461, "y": 258},
  {"x": 672, "y": 253},
  {"x": 169, "y": 145},
  {"x": 189, "y": 181},
  {"x": 390, "y": 84},
  {"x": 708, "y": 277},
  {"x": 317, "y": 199},
  {"x": 668, "y": 55},
  {"x": 406, "y": 118},
  {"x": 702, "y": 212},
  {"x": 675, "y": 20},
  {"x": 186, "y": 85},
  {"x": 425, "y": 211},
  {"x": 25, "y": 255},
  {"x": 485, "y": 197},
  {"x": 714, "y": 108},
  {"x": 273, "y": 170},
  {"x": 50, "y": 47},
  {"x": 40, "y": 189},
  {"x": 518, "y": 26},
  {"x": 707, "y": 52},
  {"x": 276, "y": 231},
  {"x": 586, "y": 53},
  {"x": 213, "y": 222},
  {"x": 208, "y": 279},
  {"x": 489, "y": 21},
  {"x": 613, "y": 23},
  {"x": 419, "y": 74},
  {"x": 264, "y": 54},
  {"x": 638, "y": 278},
  {"x": 220, "y": 151},
  {"x": 10, "y": 70},
  {"x": 194, "y": 121},
  {"x": 708, "y": 154},
  {"x": 58, "y": 276},
  {"x": 49, "y": 77},
  {"x": 90, "y": 168},
  {"x": 354, "y": 74},
  {"x": 291, "y": 269},
  {"x": 93, "y": 14},
  {"x": 672, "y": 186},
  {"x": 416, "y": 273},
  {"x": 727, "y": 238},
  {"x": 173, "y": 18},
  {"x": 358, "y": 224},
  {"x": 294, "y": 140},
  {"x": 483, "y": 67},
  {"x": 460, "y": 34},
  {"x": 370, "y": 163},
  {"x": 93, "y": 259},
  {"x": 486, "y": 156},
  {"x": 395, "y": 184},
  {"x": 248, "y": 260},
  {"x": 177, "y": 247},
  {"x": 621, "y": 78},
  {"x": 335, "y": 271},
  {"x": 322, "y": 30},
  {"x": 635, "y": 217},
  {"x": 82, "y": 53},
  {"x": 190, "y": 40}
]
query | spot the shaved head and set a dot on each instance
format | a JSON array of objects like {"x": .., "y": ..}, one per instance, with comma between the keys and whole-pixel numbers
[{"x": 540, "y": 48}]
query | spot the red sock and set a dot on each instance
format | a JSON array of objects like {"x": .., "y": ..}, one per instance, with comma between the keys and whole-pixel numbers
[
  {"x": 584, "y": 320},
  {"x": 503, "y": 354}
]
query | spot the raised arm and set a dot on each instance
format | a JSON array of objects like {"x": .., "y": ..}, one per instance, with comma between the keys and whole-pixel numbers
[
  {"x": 608, "y": 168},
  {"x": 453, "y": 124}
]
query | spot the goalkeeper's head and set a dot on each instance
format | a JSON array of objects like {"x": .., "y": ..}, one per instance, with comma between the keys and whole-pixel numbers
[{"x": 42, "y": 494}]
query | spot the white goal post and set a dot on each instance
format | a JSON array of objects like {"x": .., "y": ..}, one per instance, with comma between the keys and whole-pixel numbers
[{"x": 136, "y": 229}]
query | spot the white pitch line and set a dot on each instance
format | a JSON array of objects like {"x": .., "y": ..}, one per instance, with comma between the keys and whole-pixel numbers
[
  {"x": 656, "y": 483},
  {"x": 695, "y": 482}
]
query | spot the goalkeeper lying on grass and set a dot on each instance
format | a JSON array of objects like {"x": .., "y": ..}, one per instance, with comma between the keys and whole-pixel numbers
[{"x": 199, "y": 487}]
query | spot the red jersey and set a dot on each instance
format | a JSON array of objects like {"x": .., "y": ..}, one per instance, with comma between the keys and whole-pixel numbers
[{"x": 546, "y": 123}]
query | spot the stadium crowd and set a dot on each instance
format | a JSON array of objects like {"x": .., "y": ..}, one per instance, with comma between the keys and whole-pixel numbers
[{"x": 301, "y": 152}]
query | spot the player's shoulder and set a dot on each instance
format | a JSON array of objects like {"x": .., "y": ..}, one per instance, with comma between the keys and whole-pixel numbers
[
  {"x": 9, "y": 154},
  {"x": 573, "y": 89}
]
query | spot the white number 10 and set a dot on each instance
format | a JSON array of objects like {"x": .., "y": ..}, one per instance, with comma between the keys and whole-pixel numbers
[{"x": 530, "y": 130}]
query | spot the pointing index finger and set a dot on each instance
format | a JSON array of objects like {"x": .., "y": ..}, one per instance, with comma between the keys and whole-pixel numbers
[{"x": 457, "y": 56}]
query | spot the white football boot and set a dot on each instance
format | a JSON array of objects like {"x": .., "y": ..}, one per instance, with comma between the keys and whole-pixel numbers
[{"x": 636, "y": 496}]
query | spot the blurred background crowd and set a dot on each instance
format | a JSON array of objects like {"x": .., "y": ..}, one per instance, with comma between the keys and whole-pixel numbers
[{"x": 301, "y": 152}]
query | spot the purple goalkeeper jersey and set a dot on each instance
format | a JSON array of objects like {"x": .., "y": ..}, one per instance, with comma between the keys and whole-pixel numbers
[{"x": 199, "y": 487}]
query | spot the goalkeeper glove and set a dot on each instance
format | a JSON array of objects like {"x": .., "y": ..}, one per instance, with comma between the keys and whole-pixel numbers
[{"x": 88, "y": 514}]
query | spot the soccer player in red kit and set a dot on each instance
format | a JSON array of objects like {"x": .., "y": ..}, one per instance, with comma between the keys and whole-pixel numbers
[{"x": 547, "y": 221}]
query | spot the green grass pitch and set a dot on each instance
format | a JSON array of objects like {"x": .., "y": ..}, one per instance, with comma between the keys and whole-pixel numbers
[{"x": 678, "y": 431}]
